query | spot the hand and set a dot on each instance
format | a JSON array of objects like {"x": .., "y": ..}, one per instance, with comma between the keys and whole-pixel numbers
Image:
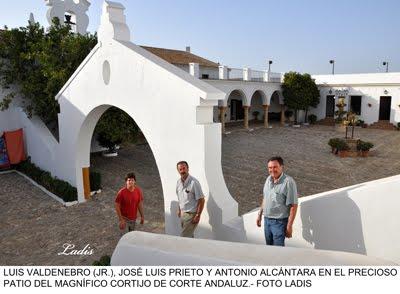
[
  {"x": 289, "y": 231},
  {"x": 122, "y": 224},
  {"x": 178, "y": 213},
  {"x": 258, "y": 221},
  {"x": 142, "y": 220},
  {"x": 196, "y": 219}
]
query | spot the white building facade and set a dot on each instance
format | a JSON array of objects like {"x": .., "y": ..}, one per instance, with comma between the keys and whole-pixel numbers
[{"x": 372, "y": 97}]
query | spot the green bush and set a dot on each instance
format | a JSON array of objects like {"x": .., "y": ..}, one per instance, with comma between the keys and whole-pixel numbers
[
  {"x": 288, "y": 113},
  {"x": 95, "y": 181},
  {"x": 364, "y": 146},
  {"x": 59, "y": 187},
  {"x": 342, "y": 145},
  {"x": 104, "y": 261},
  {"x": 256, "y": 114},
  {"x": 312, "y": 118},
  {"x": 334, "y": 142}
]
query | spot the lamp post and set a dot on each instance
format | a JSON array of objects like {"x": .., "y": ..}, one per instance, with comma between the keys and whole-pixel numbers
[
  {"x": 269, "y": 65},
  {"x": 269, "y": 70},
  {"x": 333, "y": 65},
  {"x": 385, "y": 63}
]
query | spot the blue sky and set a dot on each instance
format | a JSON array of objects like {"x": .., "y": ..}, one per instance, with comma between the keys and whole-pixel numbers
[{"x": 300, "y": 35}]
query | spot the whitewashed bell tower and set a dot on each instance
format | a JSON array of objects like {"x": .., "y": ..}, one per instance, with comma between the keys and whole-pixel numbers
[{"x": 70, "y": 11}]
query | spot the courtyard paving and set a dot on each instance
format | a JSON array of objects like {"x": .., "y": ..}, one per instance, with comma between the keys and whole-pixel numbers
[{"x": 34, "y": 228}]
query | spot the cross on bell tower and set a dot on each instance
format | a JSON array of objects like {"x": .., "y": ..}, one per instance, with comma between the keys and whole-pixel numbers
[{"x": 72, "y": 12}]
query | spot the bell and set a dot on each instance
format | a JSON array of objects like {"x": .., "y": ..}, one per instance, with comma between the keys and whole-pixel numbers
[{"x": 68, "y": 20}]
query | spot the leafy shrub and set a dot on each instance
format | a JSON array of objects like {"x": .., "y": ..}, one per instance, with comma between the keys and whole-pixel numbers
[
  {"x": 288, "y": 113},
  {"x": 256, "y": 114},
  {"x": 334, "y": 142},
  {"x": 312, "y": 118},
  {"x": 103, "y": 261},
  {"x": 341, "y": 145},
  {"x": 95, "y": 181},
  {"x": 364, "y": 146},
  {"x": 59, "y": 187}
]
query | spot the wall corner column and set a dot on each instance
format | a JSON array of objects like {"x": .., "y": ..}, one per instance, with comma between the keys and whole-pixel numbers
[
  {"x": 222, "y": 111},
  {"x": 282, "y": 114},
  {"x": 266, "y": 109},
  {"x": 246, "y": 116}
]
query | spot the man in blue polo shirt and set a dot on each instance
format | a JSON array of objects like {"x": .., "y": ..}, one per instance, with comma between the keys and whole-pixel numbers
[{"x": 279, "y": 204}]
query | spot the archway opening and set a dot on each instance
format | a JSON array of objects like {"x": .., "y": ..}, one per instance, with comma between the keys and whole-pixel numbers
[
  {"x": 275, "y": 108},
  {"x": 134, "y": 155},
  {"x": 256, "y": 114},
  {"x": 235, "y": 111}
]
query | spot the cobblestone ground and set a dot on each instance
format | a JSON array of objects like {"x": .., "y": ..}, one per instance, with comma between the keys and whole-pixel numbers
[
  {"x": 33, "y": 227},
  {"x": 307, "y": 159}
]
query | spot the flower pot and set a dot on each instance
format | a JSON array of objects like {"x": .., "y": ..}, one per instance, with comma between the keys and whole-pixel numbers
[
  {"x": 364, "y": 153},
  {"x": 343, "y": 153},
  {"x": 110, "y": 154}
]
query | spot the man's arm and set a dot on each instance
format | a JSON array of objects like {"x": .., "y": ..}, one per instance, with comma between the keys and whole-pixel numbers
[
  {"x": 141, "y": 211},
  {"x": 260, "y": 212},
  {"x": 292, "y": 215},
  {"x": 120, "y": 218},
  {"x": 199, "y": 210}
]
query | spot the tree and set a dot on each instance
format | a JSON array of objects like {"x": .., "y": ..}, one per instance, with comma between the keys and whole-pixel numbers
[
  {"x": 39, "y": 63},
  {"x": 300, "y": 92},
  {"x": 114, "y": 127}
]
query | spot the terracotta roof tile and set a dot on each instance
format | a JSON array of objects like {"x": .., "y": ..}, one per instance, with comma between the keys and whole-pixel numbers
[{"x": 179, "y": 57}]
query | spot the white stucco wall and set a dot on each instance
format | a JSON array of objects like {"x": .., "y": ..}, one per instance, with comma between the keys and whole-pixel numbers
[
  {"x": 9, "y": 119},
  {"x": 145, "y": 249},
  {"x": 360, "y": 219},
  {"x": 213, "y": 73}
]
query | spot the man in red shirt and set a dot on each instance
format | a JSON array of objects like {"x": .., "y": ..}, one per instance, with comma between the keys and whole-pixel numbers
[{"x": 129, "y": 200}]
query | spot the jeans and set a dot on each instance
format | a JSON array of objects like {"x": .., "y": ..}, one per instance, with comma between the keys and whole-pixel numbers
[{"x": 274, "y": 230}]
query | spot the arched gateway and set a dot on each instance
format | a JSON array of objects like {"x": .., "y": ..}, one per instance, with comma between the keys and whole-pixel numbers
[{"x": 173, "y": 109}]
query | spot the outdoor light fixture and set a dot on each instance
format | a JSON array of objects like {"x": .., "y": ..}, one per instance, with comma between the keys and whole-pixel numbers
[
  {"x": 385, "y": 63},
  {"x": 385, "y": 92},
  {"x": 269, "y": 65},
  {"x": 333, "y": 65}
]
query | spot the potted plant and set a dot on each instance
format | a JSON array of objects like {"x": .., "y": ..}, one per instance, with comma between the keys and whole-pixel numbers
[
  {"x": 312, "y": 118},
  {"x": 107, "y": 141},
  {"x": 398, "y": 126},
  {"x": 333, "y": 142},
  {"x": 255, "y": 114},
  {"x": 342, "y": 148},
  {"x": 364, "y": 147}
]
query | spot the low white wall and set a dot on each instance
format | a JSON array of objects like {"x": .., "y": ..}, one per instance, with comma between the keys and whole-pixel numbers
[
  {"x": 145, "y": 249},
  {"x": 360, "y": 219}
]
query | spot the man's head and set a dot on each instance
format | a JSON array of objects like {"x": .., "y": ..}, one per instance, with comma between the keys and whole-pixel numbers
[
  {"x": 183, "y": 168},
  {"x": 130, "y": 180},
  {"x": 275, "y": 166}
]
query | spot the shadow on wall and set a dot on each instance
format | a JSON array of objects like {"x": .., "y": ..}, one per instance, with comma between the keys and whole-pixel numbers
[
  {"x": 333, "y": 223},
  {"x": 234, "y": 230},
  {"x": 173, "y": 208}
]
